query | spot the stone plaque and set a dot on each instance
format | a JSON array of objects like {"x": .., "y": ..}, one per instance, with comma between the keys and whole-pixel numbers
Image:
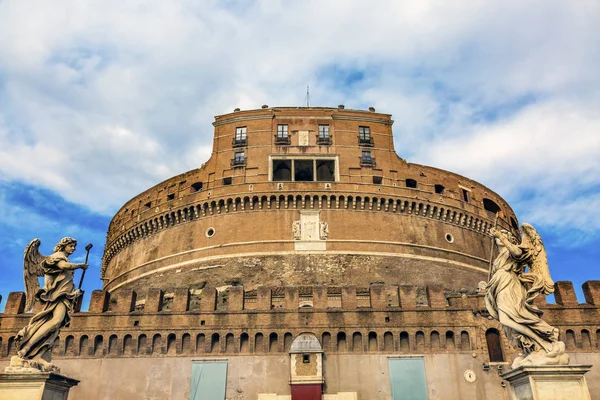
[{"x": 303, "y": 138}]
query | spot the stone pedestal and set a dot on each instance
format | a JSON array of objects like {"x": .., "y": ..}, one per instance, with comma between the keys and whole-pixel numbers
[
  {"x": 548, "y": 382},
  {"x": 35, "y": 386}
]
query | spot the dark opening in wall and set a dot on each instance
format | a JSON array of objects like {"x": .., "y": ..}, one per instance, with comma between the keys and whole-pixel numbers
[
  {"x": 282, "y": 170},
  {"x": 306, "y": 358},
  {"x": 514, "y": 224},
  {"x": 148, "y": 204},
  {"x": 196, "y": 187},
  {"x": 439, "y": 189},
  {"x": 170, "y": 196},
  {"x": 465, "y": 194},
  {"x": 377, "y": 180},
  {"x": 227, "y": 181},
  {"x": 490, "y": 206},
  {"x": 492, "y": 337},
  {"x": 303, "y": 170},
  {"x": 411, "y": 183},
  {"x": 325, "y": 170}
]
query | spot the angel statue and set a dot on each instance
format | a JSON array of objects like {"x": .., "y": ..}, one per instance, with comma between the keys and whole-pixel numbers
[
  {"x": 510, "y": 295},
  {"x": 57, "y": 297}
]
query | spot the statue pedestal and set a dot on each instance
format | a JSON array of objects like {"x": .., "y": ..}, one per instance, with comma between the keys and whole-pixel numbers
[
  {"x": 564, "y": 382},
  {"x": 35, "y": 386}
]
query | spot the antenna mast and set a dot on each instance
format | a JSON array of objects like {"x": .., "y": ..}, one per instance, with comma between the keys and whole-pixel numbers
[{"x": 307, "y": 96}]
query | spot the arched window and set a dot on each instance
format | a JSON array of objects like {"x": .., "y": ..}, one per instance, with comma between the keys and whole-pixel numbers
[
  {"x": 244, "y": 347},
  {"x": 186, "y": 343},
  {"x": 404, "y": 342},
  {"x": 287, "y": 341},
  {"x": 373, "y": 341},
  {"x": 128, "y": 345},
  {"x": 357, "y": 345},
  {"x": 214, "y": 343},
  {"x": 420, "y": 340},
  {"x": 171, "y": 344},
  {"x": 570, "y": 342},
  {"x": 341, "y": 342},
  {"x": 273, "y": 342},
  {"x": 491, "y": 206},
  {"x": 492, "y": 338},
  {"x": 259, "y": 346},
  {"x": 411, "y": 183},
  {"x": 586, "y": 340},
  {"x": 450, "y": 340},
  {"x": 388, "y": 341},
  {"x": 326, "y": 341},
  {"x": 465, "y": 342},
  {"x": 435, "y": 340},
  {"x": 229, "y": 343},
  {"x": 200, "y": 343}
]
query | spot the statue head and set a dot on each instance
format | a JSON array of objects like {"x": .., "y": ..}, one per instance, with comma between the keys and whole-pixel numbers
[{"x": 66, "y": 245}]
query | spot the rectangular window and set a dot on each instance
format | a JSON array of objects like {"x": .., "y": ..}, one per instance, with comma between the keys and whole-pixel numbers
[
  {"x": 465, "y": 194},
  {"x": 209, "y": 380},
  {"x": 227, "y": 181},
  {"x": 323, "y": 131},
  {"x": 240, "y": 157},
  {"x": 366, "y": 157},
  {"x": 407, "y": 378},
  {"x": 282, "y": 131},
  {"x": 170, "y": 196},
  {"x": 240, "y": 133},
  {"x": 364, "y": 133}
]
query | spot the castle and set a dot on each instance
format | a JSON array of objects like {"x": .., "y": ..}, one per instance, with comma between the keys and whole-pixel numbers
[{"x": 303, "y": 258}]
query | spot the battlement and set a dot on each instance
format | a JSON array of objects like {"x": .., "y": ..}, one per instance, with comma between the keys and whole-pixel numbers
[
  {"x": 377, "y": 296},
  {"x": 231, "y": 320}
]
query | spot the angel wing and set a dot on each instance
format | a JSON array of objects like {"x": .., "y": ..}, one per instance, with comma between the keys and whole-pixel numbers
[
  {"x": 32, "y": 263},
  {"x": 538, "y": 264}
]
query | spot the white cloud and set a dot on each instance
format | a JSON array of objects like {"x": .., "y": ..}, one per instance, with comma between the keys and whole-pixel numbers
[{"x": 101, "y": 99}]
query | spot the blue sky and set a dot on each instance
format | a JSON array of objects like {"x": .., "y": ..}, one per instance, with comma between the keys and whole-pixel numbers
[{"x": 100, "y": 100}]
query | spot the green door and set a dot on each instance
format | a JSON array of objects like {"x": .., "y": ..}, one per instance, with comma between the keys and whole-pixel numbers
[
  {"x": 407, "y": 378},
  {"x": 208, "y": 380}
]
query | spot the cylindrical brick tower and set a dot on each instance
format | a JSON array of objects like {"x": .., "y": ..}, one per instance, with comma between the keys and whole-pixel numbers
[{"x": 304, "y": 195}]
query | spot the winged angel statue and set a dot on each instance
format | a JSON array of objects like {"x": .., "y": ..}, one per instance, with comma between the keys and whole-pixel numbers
[
  {"x": 57, "y": 297},
  {"x": 510, "y": 295}
]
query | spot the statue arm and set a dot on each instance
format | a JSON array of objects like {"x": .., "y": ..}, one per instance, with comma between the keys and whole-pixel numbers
[
  {"x": 62, "y": 264},
  {"x": 514, "y": 250}
]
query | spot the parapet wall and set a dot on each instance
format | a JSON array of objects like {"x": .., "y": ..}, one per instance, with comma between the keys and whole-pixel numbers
[{"x": 380, "y": 318}]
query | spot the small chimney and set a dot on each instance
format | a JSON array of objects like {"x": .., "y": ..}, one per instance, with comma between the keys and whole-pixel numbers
[
  {"x": 372, "y": 109},
  {"x": 236, "y": 110},
  {"x": 341, "y": 106},
  {"x": 265, "y": 106}
]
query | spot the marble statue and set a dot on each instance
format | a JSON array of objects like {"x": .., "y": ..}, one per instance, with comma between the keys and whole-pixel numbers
[
  {"x": 511, "y": 292},
  {"x": 57, "y": 297}
]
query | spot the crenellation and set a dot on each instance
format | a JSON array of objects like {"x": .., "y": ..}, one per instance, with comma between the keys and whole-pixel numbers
[
  {"x": 319, "y": 297},
  {"x": 378, "y": 296},
  {"x": 564, "y": 294},
  {"x": 436, "y": 297},
  {"x": 408, "y": 296},
  {"x": 349, "y": 298},
  {"x": 125, "y": 301},
  {"x": 208, "y": 300},
  {"x": 236, "y": 298},
  {"x": 181, "y": 300},
  {"x": 154, "y": 300},
  {"x": 99, "y": 302},
  {"x": 591, "y": 291},
  {"x": 291, "y": 301},
  {"x": 15, "y": 304},
  {"x": 263, "y": 298}
]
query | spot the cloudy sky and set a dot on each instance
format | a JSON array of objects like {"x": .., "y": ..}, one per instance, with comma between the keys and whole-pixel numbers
[{"x": 100, "y": 100}]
